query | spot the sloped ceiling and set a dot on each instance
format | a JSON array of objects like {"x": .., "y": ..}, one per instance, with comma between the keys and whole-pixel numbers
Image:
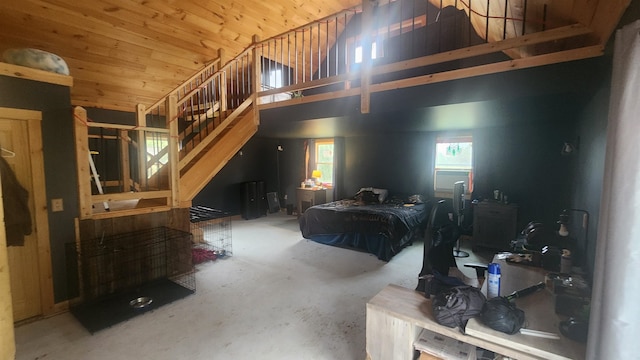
[{"x": 125, "y": 52}]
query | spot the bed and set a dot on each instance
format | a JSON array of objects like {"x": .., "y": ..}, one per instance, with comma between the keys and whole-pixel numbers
[{"x": 380, "y": 228}]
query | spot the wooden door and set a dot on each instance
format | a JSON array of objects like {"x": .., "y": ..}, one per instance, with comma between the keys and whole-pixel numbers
[{"x": 30, "y": 264}]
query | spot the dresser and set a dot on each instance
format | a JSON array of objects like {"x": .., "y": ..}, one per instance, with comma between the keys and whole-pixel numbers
[
  {"x": 494, "y": 224},
  {"x": 307, "y": 197}
]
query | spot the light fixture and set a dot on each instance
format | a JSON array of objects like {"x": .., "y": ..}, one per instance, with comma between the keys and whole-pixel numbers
[
  {"x": 316, "y": 174},
  {"x": 569, "y": 147}
]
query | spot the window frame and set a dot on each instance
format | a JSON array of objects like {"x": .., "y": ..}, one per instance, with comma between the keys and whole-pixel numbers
[
  {"x": 449, "y": 173},
  {"x": 317, "y": 144}
]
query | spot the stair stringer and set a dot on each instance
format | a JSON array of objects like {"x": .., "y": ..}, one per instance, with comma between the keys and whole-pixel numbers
[{"x": 215, "y": 157}]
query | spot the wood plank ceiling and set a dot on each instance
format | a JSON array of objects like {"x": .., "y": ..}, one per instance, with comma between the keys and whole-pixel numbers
[{"x": 125, "y": 52}]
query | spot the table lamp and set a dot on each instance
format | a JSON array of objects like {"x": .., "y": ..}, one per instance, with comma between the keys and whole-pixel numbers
[{"x": 316, "y": 174}]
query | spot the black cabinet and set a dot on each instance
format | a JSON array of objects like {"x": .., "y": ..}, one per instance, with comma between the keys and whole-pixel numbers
[
  {"x": 254, "y": 200},
  {"x": 494, "y": 225}
]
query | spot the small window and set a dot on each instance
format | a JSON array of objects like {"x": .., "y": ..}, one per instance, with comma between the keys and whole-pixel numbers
[
  {"x": 358, "y": 58},
  {"x": 275, "y": 79},
  {"x": 324, "y": 161},
  {"x": 453, "y": 162}
]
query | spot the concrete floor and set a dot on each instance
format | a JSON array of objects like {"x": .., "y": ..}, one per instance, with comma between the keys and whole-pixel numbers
[{"x": 279, "y": 296}]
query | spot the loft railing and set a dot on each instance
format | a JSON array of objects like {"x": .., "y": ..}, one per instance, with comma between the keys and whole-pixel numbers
[
  {"x": 330, "y": 54},
  {"x": 365, "y": 49}
]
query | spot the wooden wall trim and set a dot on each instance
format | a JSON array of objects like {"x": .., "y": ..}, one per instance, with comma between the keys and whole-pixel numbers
[{"x": 23, "y": 72}]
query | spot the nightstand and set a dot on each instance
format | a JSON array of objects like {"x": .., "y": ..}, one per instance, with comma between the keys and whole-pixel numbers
[{"x": 307, "y": 197}]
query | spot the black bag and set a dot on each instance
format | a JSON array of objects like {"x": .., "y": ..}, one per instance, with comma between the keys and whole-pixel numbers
[
  {"x": 455, "y": 306},
  {"x": 502, "y": 315},
  {"x": 436, "y": 283}
]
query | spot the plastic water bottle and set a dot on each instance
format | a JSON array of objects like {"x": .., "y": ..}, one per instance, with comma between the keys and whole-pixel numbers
[{"x": 493, "y": 285}]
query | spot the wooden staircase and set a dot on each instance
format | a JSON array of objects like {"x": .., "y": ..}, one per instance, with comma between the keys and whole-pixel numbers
[
  {"x": 200, "y": 161},
  {"x": 210, "y": 117}
]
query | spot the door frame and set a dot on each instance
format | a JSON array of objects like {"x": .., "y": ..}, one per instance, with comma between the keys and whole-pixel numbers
[{"x": 33, "y": 120}]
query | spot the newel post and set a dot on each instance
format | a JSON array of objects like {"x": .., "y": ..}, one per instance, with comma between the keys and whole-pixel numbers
[
  {"x": 141, "y": 121},
  {"x": 171, "y": 110},
  {"x": 220, "y": 57},
  {"x": 81, "y": 133}
]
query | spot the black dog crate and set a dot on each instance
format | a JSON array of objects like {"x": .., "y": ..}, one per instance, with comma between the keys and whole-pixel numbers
[
  {"x": 211, "y": 230},
  {"x": 124, "y": 275}
]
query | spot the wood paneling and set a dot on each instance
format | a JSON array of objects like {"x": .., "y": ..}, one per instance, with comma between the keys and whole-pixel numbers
[{"x": 123, "y": 52}]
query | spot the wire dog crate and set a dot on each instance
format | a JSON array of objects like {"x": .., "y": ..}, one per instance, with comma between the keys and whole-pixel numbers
[
  {"x": 211, "y": 230},
  {"x": 124, "y": 275}
]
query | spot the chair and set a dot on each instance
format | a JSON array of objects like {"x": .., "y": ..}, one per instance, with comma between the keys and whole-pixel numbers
[{"x": 441, "y": 235}]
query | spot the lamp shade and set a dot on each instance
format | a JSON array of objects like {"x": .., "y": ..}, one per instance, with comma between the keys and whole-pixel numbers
[{"x": 316, "y": 174}]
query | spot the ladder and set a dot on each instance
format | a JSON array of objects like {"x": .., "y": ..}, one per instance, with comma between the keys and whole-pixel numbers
[{"x": 96, "y": 179}]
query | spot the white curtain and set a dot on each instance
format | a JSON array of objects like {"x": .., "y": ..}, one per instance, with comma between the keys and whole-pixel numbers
[{"x": 615, "y": 308}]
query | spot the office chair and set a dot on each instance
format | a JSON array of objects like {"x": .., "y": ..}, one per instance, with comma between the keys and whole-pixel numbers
[{"x": 438, "y": 254}]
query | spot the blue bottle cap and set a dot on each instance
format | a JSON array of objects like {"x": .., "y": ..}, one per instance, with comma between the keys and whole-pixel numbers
[{"x": 494, "y": 268}]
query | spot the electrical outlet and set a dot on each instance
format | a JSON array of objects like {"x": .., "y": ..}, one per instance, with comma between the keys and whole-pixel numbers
[{"x": 57, "y": 205}]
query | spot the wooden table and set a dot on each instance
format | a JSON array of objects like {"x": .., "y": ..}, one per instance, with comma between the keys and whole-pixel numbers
[
  {"x": 539, "y": 315},
  {"x": 396, "y": 315}
]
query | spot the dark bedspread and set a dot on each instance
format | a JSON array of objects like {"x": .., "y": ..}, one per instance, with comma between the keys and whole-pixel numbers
[{"x": 381, "y": 229}]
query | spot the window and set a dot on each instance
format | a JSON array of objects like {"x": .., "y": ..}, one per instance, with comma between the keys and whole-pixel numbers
[
  {"x": 157, "y": 152},
  {"x": 275, "y": 79},
  {"x": 453, "y": 162},
  {"x": 324, "y": 160},
  {"x": 358, "y": 55}
]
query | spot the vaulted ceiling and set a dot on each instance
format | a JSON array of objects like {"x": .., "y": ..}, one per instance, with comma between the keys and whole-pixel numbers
[{"x": 124, "y": 52}]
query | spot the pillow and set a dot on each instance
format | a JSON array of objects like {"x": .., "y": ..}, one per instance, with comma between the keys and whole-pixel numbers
[{"x": 381, "y": 193}]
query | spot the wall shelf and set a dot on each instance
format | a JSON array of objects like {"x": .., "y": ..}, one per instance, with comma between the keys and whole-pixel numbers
[{"x": 23, "y": 72}]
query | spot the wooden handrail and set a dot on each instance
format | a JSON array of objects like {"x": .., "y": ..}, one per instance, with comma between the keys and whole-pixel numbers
[{"x": 161, "y": 101}]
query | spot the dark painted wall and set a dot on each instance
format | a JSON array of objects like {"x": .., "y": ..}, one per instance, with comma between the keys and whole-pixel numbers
[
  {"x": 59, "y": 161},
  {"x": 588, "y": 170},
  {"x": 401, "y": 163},
  {"x": 523, "y": 160},
  {"x": 258, "y": 162}
]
